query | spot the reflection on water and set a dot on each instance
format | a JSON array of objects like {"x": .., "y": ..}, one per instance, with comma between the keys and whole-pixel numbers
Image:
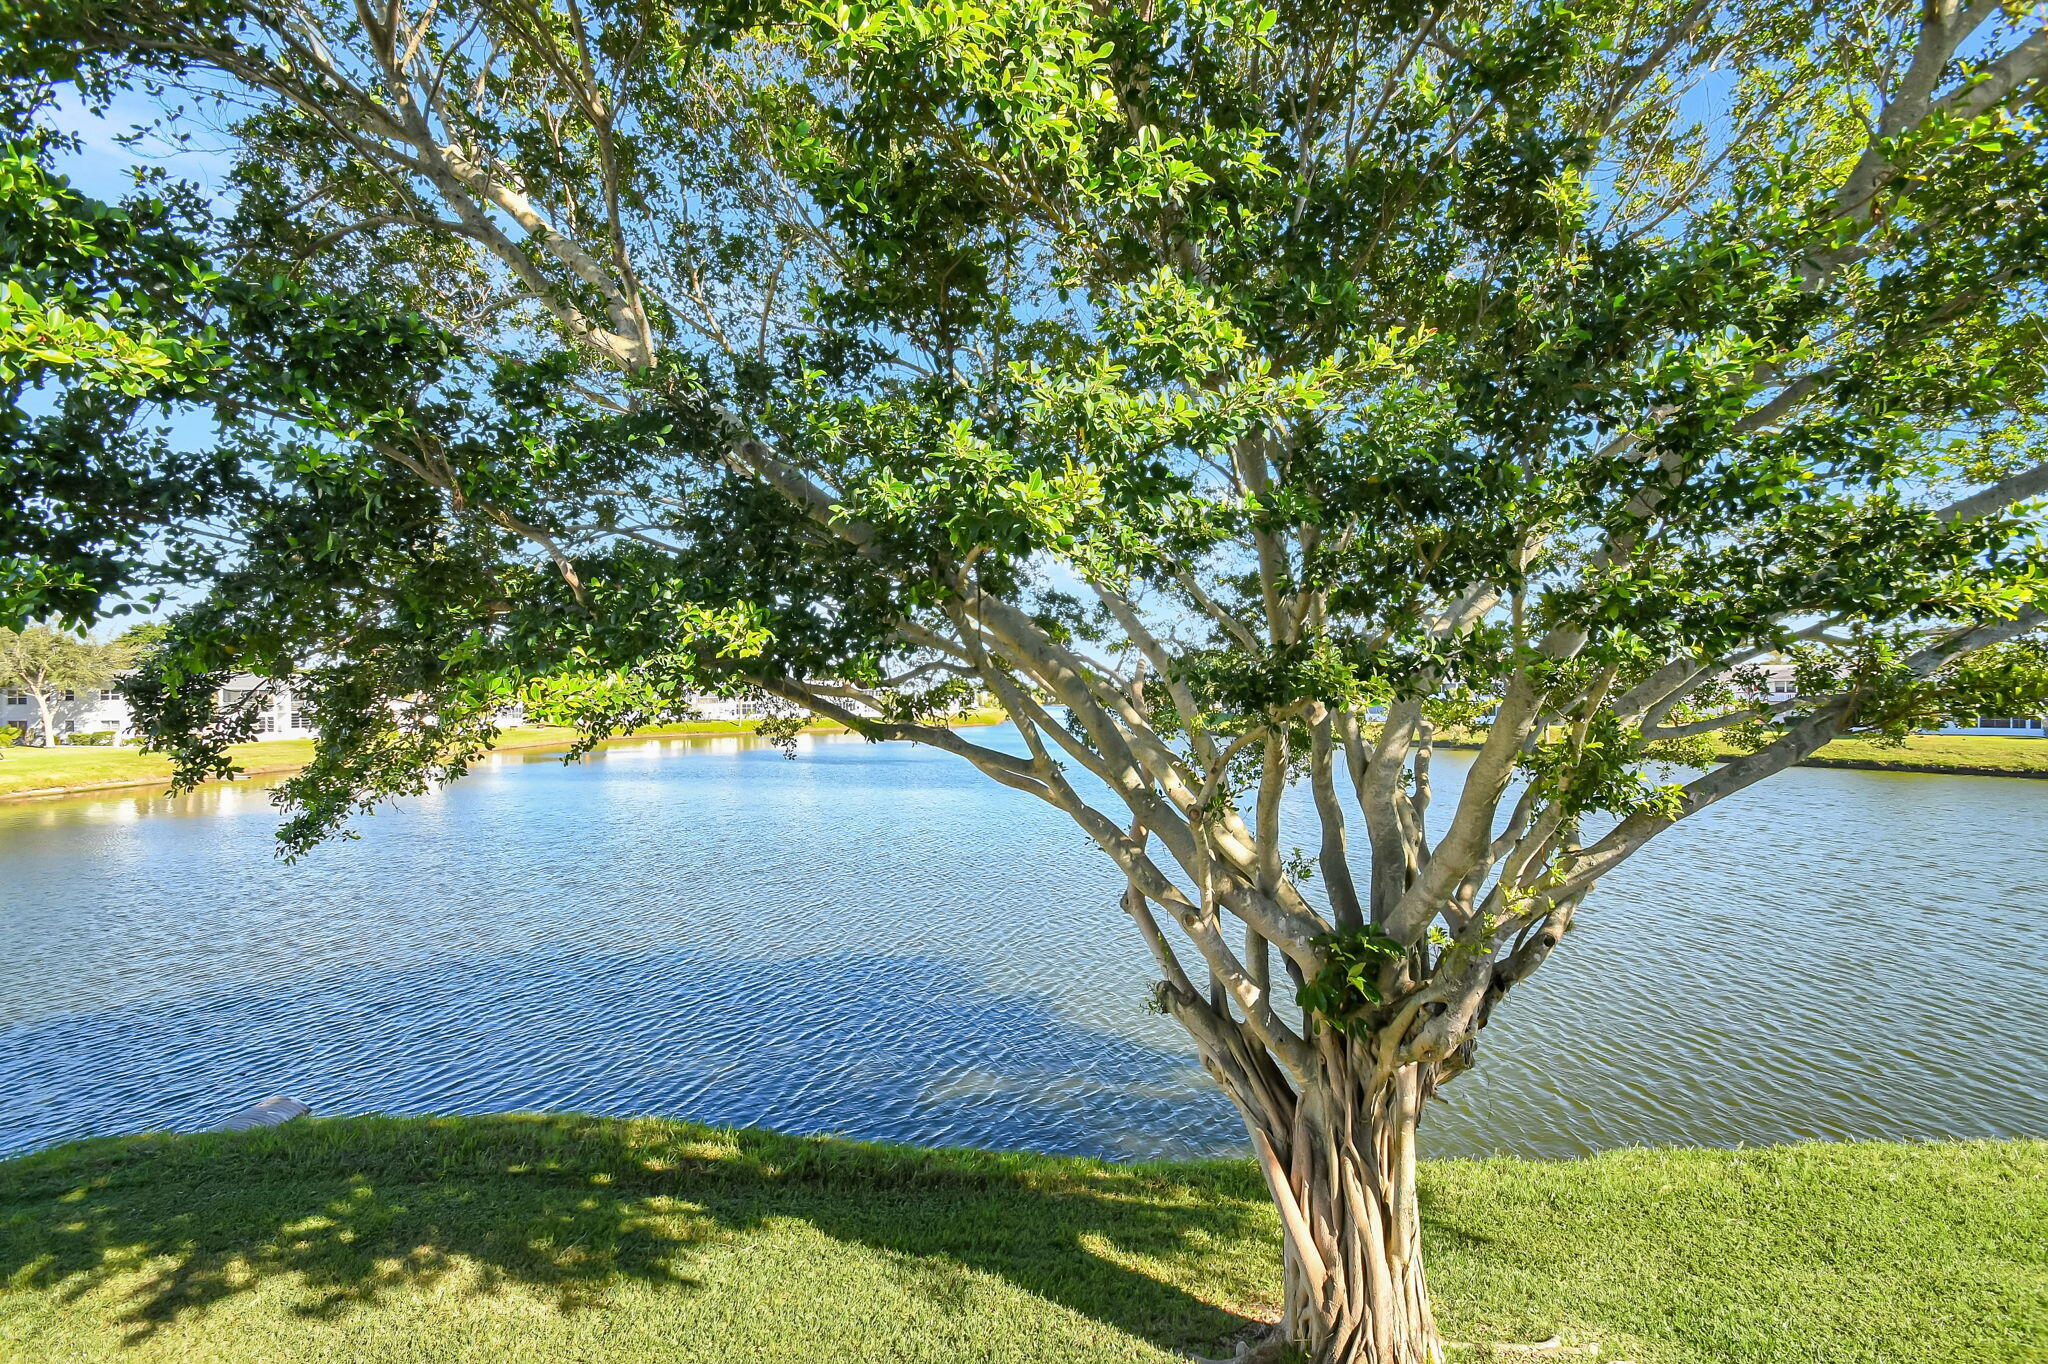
[{"x": 876, "y": 941}]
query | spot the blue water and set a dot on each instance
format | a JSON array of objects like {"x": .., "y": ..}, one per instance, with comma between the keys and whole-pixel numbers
[{"x": 876, "y": 941}]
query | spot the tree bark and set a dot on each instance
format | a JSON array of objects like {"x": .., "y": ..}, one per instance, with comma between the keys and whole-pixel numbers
[
  {"x": 1339, "y": 1156},
  {"x": 49, "y": 738}
]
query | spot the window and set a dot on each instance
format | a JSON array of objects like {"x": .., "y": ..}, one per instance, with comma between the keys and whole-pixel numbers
[
  {"x": 16, "y": 697},
  {"x": 70, "y": 695},
  {"x": 266, "y": 722},
  {"x": 302, "y": 718}
]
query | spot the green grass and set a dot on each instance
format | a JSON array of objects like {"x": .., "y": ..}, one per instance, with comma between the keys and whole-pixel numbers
[
  {"x": 28, "y": 769},
  {"x": 82, "y": 768},
  {"x": 1983, "y": 753},
  {"x": 1964, "y": 754},
  {"x": 66, "y": 767},
  {"x": 568, "y": 1238}
]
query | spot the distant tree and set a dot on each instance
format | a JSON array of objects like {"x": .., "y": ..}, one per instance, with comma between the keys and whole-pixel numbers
[
  {"x": 1242, "y": 395},
  {"x": 47, "y": 663},
  {"x": 140, "y": 638}
]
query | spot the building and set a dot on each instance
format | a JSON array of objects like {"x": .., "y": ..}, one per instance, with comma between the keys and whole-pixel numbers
[
  {"x": 1778, "y": 683},
  {"x": 103, "y": 711},
  {"x": 1778, "y": 686},
  {"x": 2004, "y": 726},
  {"x": 76, "y": 712}
]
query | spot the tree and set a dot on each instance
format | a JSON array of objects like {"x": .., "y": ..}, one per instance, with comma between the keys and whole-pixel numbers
[
  {"x": 1244, "y": 397},
  {"x": 110, "y": 320},
  {"x": 48, "y": 665},
  {"x": 91, "y": 329}
]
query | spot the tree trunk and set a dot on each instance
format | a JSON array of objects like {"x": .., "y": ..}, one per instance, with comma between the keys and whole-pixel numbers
[
  {"x": 1342, "y": 1173},
  {"x": 49, "y": 737}
]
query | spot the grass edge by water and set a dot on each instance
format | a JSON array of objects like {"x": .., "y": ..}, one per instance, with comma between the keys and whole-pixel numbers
[
  {"x": 275, "y": 757},
  {"x": 1944, "y": 755},
  {"x": 1930, "y": 754}
]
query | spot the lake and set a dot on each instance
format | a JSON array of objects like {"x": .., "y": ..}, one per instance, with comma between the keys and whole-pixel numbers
[{"x": 876, "y": 941}]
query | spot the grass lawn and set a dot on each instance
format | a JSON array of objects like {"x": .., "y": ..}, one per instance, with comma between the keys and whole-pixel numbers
[
  {"x": 1942, "y": 752},
  {"x": 1980, "y": 754},
  {"x": 44, "y": 769},
  {"x": 569, "y": 1238},
  {"x": 40, "y": 769}
]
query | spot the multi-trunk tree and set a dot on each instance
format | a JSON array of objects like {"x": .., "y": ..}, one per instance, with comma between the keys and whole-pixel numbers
[{"x": 1243, "y": 397}]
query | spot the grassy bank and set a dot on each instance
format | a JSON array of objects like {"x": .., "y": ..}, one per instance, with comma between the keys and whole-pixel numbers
[
  {"x": 596, "y": 1240},
  {"x": 1951, "y": 754},
  {"x": 1963, "y": 754},
  {"x": 48, "y": 771}
]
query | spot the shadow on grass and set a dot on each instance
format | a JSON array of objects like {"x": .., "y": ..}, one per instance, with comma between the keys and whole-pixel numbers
[{"x": 570, "y": 1206}]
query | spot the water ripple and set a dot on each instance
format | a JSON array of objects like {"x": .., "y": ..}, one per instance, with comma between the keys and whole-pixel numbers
[{"x": 873, "y": 940}]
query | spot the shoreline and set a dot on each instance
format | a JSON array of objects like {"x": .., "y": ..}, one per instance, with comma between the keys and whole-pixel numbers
[
  {"x": 523, "y": 745},
  {"x": 1923, "y": 769},
  {"x": 1931, "y": 767},
  {"x": 1907, "y": 766}
]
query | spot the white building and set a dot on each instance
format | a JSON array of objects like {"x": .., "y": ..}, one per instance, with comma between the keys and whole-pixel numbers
[
  {"x": 2004, "y": 726},
  {"x": 76, "y": 712},
  {"x": 282, "y": 716},
  {"x": 729, "y": 707},
  {"x": 102, "y": 710},
  {"x": 1778, "y": 686}
]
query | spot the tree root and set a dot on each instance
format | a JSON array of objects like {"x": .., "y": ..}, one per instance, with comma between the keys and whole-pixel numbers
[
  {"x": 1261, "y": 1344},
  {"x": 1264, "y": 1347}
]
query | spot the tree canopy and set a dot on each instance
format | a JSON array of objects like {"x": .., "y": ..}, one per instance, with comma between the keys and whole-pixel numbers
[{"x": 1243, "y": 395}]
